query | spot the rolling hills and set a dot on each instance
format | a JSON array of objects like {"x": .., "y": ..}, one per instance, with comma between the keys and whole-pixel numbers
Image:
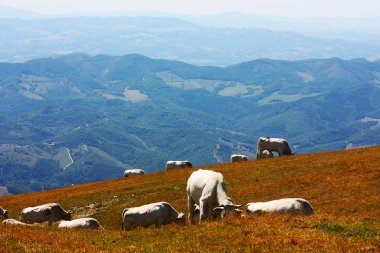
[
  {"x": 342, "y": 186},
  {"x": 173, "y": 39},
  {"x": 79, "y": 118}
]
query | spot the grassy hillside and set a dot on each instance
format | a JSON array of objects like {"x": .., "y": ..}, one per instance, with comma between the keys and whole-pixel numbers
[{"x": 343, "y": 188}]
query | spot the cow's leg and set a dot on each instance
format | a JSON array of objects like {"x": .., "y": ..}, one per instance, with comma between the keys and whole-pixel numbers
[
  {"x": 203, "y": 208},
  {"x": 159, "y": 222},
  {"x": 50, "y": 223},
  {"x": 280, "y": 153},
  {"x": 191, "y": 207}
]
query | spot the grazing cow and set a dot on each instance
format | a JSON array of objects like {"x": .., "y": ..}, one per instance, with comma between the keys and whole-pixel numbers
[
  {"x": 178, "y": 164},
  {"x": 3, "y": 212},
  {"x": 266, "y": 154},
  {"x": 281, "y": 206},
  {"x": 14, "y": 222},
  {"x": 133, "y": 172},
  {"x": 280, "y": 146},
  {"x": 82, "y": 223},
  {"x": 48, "y": 212},
  {"x": 238, "y": 158},
  {"x": 157, "y": 214},
  {"x": 207, "y": 189}
]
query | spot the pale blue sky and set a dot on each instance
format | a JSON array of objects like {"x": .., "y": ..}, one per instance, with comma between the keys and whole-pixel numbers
[{"x": 285, "y": 8}]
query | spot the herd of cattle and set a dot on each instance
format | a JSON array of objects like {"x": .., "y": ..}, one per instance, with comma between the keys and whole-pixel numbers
[
  {"x": 206, "y": 199},
  {"x": 265, "y": 148}
]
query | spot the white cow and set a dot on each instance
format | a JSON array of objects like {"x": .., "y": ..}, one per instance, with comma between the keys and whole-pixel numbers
[
  {"x": 238, "y": 158},
  {"x": 281, "y": 206},
  {"x": 133, "y": 172},
  {"x": 207, "y": 189},
  {"x": 178, "y": 164},
  {"x": 48, "y": 212},
  {"x": 81, "y": 223},
  {"x": 280, "y": 146},
  {"x": 266, "y": 154},
  {"x": 157, "y": 214},
  {"x": 3, "y": 212},
  {"x": 14, "y": 222}
]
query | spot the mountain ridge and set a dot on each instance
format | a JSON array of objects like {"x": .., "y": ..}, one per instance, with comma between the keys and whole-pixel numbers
[
  {"x": 134, "y": 111},
  {"x": 168, "y": 38}
]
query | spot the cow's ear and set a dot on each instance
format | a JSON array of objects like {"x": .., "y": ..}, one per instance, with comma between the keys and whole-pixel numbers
[{"x": 238, "y": 205}]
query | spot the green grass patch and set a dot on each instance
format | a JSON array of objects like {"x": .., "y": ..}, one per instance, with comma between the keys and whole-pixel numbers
[{"x": 360, "y": 231}]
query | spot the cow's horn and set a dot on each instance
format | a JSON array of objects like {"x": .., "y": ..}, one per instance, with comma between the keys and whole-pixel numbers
[{"x": 218, "y": 208}]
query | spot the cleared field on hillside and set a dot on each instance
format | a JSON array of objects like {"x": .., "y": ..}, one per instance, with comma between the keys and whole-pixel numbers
[{"x": 343, "y": 187}]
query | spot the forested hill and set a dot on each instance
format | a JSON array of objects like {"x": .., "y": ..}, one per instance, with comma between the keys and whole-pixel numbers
[{"x": 78, "y": 118}]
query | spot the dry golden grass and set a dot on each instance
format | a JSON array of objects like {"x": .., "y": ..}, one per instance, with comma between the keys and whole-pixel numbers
[{"x": 343, "y": 187}]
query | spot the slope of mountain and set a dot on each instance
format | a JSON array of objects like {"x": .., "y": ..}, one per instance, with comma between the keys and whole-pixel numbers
[
  {"x": 341, "y": 186},
  {"x": 78, "y": 118},
  {"x": 165, "y": 38}
]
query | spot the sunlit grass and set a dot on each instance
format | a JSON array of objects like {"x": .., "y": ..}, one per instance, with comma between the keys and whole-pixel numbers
[{"x": 343, "y": 187}]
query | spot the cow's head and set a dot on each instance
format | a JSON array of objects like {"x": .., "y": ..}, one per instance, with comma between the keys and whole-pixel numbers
[
  {"x": 68, "y": 215},
  {"x": 222, "y": 210},
  {"x": 181, "y": 218},
  {"x": 252, "y": 208},
  {"x": 5, "y": 214}
]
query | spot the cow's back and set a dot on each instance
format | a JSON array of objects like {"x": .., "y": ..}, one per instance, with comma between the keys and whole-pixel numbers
[
  {"x": 203, "y": 183},
  {"x": 47, "y": 212},
  {"x": 35, "y": 214},
  {"x": 282, "y": 206}
]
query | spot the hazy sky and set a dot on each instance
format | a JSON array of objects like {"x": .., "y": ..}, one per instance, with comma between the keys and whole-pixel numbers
[{"x": 287, "y": 8}]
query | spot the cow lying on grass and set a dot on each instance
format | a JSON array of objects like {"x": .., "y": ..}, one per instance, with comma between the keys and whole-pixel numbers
[
  {"x": 281, "y": 206},
  {"x": 266, "y": 154},
  {"x": 81, "y": 223},
  {"x": 238, "y": 158},
  {"x": 14, "y": 222},
  {"x": 157, "y": 214},
  {"x": 133, "y": 172},
  {"x": 178, "y": 164}
]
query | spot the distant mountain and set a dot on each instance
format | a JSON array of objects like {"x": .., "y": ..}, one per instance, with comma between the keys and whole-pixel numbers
[
  {"x": 77, "y": 118},
  {"x": 10, "y": 12},
  {"x": 242, "y": 20},
  {"x": 166, "y": 38},
  {"x": 364, "y": 30}
]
